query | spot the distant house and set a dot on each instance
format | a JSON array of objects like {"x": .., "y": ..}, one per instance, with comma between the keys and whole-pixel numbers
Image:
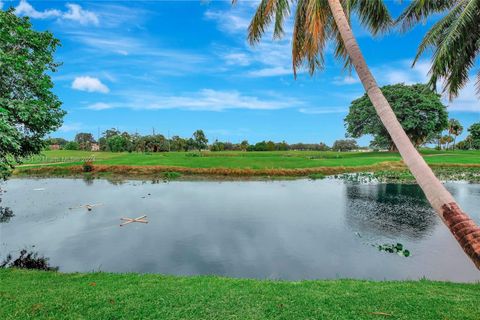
[
  {"x": 95, "y": 147},
  {"x": 54, "y": 147}
]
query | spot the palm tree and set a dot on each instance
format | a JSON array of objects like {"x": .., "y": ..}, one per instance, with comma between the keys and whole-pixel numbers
[
  {"x": 454, "y": 39},
  {"x": 455, "y": 128},
  {"x": 319, "y": 21}
]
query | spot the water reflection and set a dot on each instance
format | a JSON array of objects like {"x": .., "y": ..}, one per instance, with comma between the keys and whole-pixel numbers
[
  {"x": 282, "y": 229},
  {"x": 389, "y": 210},
  {"x": 5, "y": 212}
]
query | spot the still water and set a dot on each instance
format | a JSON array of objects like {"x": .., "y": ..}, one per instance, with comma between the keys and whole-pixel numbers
[{"x": 292, "y": 230}]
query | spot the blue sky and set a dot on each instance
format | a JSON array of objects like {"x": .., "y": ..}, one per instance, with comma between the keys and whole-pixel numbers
[{"x": 177, "y": 66}]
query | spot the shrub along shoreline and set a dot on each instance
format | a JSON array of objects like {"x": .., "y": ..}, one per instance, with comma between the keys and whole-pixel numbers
[{"x": 26, "y": 294}]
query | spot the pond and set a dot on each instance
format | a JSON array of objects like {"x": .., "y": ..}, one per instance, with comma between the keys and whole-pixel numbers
[{"x": 293, "y": 230}]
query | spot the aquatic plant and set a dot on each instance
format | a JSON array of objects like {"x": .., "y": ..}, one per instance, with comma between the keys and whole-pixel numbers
[
  {"x": 5, "y": 214},
  {"x": 317, "y": 176},
  {"x": 394, "y": 248},
  {"x": 171, "y": 175}
]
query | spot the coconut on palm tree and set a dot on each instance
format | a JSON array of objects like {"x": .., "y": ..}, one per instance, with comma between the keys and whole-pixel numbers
[{"x": 320, "y": 21}]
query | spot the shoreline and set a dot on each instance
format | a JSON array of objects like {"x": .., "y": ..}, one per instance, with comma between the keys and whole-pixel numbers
[{"x": 383, "y": 172}]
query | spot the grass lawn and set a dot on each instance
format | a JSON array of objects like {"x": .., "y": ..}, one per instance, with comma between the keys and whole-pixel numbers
[
  {"x": 47, "y": 295},
  {"x": 251, "y": 160}
]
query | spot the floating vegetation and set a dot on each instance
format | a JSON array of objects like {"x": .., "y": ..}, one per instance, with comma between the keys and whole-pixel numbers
[
  {"x": 28, "y": 260},
  {"x": 317, "y": 176},
  {"x": 6, "y": 214},
  {"x": 471, "y": 174},
  {"x": 394, "y": 248}
]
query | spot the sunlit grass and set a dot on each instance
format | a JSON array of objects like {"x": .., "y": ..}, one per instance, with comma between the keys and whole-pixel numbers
[
  {"x": 251, "y": 160},
  {"x": 48, "y": 295}
]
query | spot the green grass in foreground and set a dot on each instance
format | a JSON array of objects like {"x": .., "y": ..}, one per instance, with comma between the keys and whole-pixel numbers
[
  {"x": 252, "y": 160},
  {"x": 48, "y": 295}
]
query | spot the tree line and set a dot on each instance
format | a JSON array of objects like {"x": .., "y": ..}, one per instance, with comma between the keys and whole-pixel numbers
[{"x": 114, "y": 140}]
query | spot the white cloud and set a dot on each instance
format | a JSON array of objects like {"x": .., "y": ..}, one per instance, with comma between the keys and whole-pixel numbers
[
  {"x": 89, "y": 84},
  {"x": 229, "y": 21},
  {"x": 1, "y": 5},
  {"x": 270, "y": 72},
  {"x": 268, "y": 58},
  {"x": 237, "y": 59},
  {"x": 347, "y": 80},
  {"x": 403, "y": 72},
  {"x": 324, "y": 110},
  {"x": 203, "y": 100},
  {"x": 100, "y": 106},
  {"x": 76, "y": 13},
  {"x": 25, "y": 9},
  {"x": 467, "y": 100}
]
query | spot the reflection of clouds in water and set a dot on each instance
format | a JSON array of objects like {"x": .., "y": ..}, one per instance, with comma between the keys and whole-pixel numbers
[
  {"x": 284, "y": 229},
  {"x": 389, "y": 210}
]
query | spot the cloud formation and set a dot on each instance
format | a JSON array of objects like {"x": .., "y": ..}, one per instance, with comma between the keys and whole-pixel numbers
[
  {"x": 89, "y": 84},
  {"x": 203, "y": 100},
  {"x": 74, "y": 13},
  {"x": 25, "y": 9}
]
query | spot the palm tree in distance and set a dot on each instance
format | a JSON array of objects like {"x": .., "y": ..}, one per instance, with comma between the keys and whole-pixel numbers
[
  {"x": 455, "y": 129},
  {"x": 318, "y": 21}
]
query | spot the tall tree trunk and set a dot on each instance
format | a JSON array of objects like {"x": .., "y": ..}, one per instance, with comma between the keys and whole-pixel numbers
[
  {"x": 462, "y": 227},
  {"x": 454, "y": 141}
]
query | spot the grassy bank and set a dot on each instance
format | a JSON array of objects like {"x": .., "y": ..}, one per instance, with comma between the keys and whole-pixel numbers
[
  {"x": 48, "y": 295},
  {"x": 240, "y": 164}
]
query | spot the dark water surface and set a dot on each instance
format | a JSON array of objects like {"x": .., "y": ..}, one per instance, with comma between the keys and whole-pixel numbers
[{"x": 282, "y": 230}]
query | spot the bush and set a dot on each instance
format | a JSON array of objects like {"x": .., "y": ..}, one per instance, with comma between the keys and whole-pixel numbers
[
  {"x": 72, "y": 145},
  {"x": 317, "y": 176},
  {"x": 28, "y": 260},
  {"x": 193, "y": 154},
  {"x": 172, "y": 175},
  {"x": 88, "y": 166}
]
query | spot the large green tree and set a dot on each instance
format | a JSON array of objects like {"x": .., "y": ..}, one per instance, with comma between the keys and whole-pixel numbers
[
  {"x": 28, "y": 108},
  {"x": 419, "y": 110},
  {"x": 84, "y": 140},
  {"x": 201, "y": 141},
  {"x": 474, "y": 136}
]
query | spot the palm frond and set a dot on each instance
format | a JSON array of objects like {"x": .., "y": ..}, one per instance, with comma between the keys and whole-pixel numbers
[
  {"x": 373, "y": 14},
  {"x": 267, "y": 11},
  {"x": 419, "y": 10},
  {"x": 456, "y": 47}
]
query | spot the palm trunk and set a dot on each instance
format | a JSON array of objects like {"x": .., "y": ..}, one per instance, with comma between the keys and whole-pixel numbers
[{"x": 462, "y": 227}]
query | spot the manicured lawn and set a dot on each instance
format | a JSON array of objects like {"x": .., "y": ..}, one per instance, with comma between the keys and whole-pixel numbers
[
  {"x": 252, "y": 160},
  {"x": 47, "y": 295}
]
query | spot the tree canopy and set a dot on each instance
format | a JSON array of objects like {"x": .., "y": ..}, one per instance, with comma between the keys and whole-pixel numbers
[
  {"x": 28, "y": 108},
  {"x": 419, "y": 110},
  {"x": 201, "y": 141}
]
